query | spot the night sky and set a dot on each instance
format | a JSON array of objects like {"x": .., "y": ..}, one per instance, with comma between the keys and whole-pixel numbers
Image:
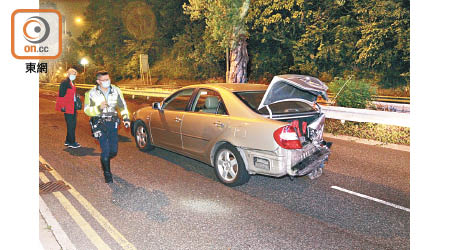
[{"x": 71, "y": 9}]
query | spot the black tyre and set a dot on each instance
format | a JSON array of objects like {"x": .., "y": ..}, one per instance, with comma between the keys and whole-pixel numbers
[
  {"x": 229, "y": 166},
  {"x": 142, "y": 137}
]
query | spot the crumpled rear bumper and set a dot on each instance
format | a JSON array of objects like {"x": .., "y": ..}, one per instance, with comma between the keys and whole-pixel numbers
[
  {"x": 284, "y": 161},
  {"x": 312, "y": 162}
]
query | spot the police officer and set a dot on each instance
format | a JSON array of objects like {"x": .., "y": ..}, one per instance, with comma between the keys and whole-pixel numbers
[{"x": 100, "y": 104}]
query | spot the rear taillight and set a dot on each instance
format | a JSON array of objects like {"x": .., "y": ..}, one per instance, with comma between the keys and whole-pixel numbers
[{"x": 287, "y": 138}]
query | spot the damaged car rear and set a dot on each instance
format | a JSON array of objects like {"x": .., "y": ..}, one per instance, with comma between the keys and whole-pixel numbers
[{"x": 242, "y": 129}]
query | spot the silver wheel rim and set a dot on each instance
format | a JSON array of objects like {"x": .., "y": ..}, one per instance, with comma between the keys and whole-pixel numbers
[
  {"x": 227, "y": 165},
  {"x": 141, "y": 136}
]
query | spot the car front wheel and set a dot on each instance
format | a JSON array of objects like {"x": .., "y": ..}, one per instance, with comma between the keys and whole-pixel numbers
[
  {"x": 142, "y": 136},
  {"x": 229, "y": 166}
]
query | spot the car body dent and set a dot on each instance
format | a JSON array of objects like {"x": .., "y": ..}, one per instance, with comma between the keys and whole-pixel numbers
[
  {"x": 280, "y": 160},
  {"x": 243, "y": 128}
]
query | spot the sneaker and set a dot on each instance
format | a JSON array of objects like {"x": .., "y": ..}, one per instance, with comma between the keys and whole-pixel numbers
[
  {"x": 66, "y": 143},
  {"x": 74, "y": 145}
]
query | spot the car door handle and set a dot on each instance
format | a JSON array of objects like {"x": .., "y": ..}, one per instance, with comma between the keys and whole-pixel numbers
[
  {"x": 177, "y": 119},
  {"x": 219, "y": 124}
]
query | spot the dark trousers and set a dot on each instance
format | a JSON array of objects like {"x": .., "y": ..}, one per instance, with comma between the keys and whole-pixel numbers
[
  {"x": 108, "y": 140},
  {"x": 71, "y": 123}
]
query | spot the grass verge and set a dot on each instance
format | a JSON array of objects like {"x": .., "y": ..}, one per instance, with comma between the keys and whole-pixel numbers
[{"x": 371, "y": 131}]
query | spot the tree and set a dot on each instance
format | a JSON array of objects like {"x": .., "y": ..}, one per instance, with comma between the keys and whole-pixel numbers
[
  {"x": 274, "y": 27},
  {"x": 331, "y": 38},
  {"x": 197, "y": 54},
  {"x": 317, "y": 37},
  {"x": 225, "y": 23},
  {"x": 383, "y": 47},
  {"x": 103, "y": 39},
  {"x": 117, "y": 31}
]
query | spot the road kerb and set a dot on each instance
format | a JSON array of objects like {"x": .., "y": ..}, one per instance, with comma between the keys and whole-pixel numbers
[
  {"x": 76, "y": 216},
  {"x": 113, "y": 232},
  {"x": 60, "y": 236}
]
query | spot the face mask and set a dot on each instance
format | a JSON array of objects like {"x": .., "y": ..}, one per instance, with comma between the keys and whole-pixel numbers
[
  {"x": 72, "y": 77},
  {"x": 106, "y": 84}
]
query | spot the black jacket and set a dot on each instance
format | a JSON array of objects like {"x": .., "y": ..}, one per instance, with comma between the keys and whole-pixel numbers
[{"x": 65, "y": 84}]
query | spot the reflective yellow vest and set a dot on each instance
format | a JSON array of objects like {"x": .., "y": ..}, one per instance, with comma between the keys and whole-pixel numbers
[{"x": 94, "y": 97}]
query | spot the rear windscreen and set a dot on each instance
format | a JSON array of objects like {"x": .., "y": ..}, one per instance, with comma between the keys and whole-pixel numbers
[{"x": 253, "y": 98}]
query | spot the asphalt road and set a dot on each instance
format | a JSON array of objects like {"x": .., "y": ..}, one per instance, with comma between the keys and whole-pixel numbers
[{"x": 162, "y": 200}]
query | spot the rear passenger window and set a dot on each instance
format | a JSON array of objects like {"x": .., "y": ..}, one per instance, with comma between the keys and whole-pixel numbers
[
  {"x": 179, "y": 101},
  {"x": 209, "y": 101}
]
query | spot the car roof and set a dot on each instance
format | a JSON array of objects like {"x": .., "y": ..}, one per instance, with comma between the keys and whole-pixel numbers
[{"x": 233, "y": 87}]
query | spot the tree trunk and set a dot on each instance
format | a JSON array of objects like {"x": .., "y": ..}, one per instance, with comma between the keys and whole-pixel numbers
[
  {"x": 239, "y": 60},
  {"x": 227, "y": 75}
]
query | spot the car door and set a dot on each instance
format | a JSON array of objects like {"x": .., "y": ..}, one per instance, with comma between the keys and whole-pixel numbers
[
  {"x": 166, "y": 123},
  {"x": 204, "y": 123}
]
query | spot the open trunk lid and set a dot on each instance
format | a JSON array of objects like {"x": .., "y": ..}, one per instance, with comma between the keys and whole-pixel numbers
[{"x": 293, "y": 88}]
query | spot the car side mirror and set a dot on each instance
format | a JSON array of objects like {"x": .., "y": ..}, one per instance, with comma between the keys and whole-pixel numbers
[{"x": 156, "y": 105}]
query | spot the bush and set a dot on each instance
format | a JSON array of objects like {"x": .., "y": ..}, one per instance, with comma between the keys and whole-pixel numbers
[
  {"x": 403, "y": 91},
  {"x": 172, "y": 69},
  {"x": 355, "y": 94},
  {"x": 367, "y": 130}
]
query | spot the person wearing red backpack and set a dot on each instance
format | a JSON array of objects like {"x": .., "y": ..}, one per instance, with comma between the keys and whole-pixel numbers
[{"x": 66, "y": 104}]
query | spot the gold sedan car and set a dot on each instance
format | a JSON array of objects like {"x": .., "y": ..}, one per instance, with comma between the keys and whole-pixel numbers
[{"x": 242, "y": 129}]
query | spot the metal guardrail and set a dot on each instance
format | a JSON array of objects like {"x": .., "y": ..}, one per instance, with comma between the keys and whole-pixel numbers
[
  {"x": 365, "y": 115},
  {"x": 149, "y": 92},
  {"x": 380, "y": 98},
  {"x": 340, "y": 113}
]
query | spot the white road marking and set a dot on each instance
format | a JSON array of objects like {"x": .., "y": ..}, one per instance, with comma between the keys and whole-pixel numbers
[{"x": 370, "y": 198}]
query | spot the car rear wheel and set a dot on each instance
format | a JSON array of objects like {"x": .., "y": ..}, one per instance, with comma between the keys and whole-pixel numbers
[
  {"x": 229, "y": 166},
  {"x": 142, "y": 136}
]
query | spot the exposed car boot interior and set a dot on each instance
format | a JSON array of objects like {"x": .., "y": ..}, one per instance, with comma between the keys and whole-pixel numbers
[{"x": 307, "y": 118}]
